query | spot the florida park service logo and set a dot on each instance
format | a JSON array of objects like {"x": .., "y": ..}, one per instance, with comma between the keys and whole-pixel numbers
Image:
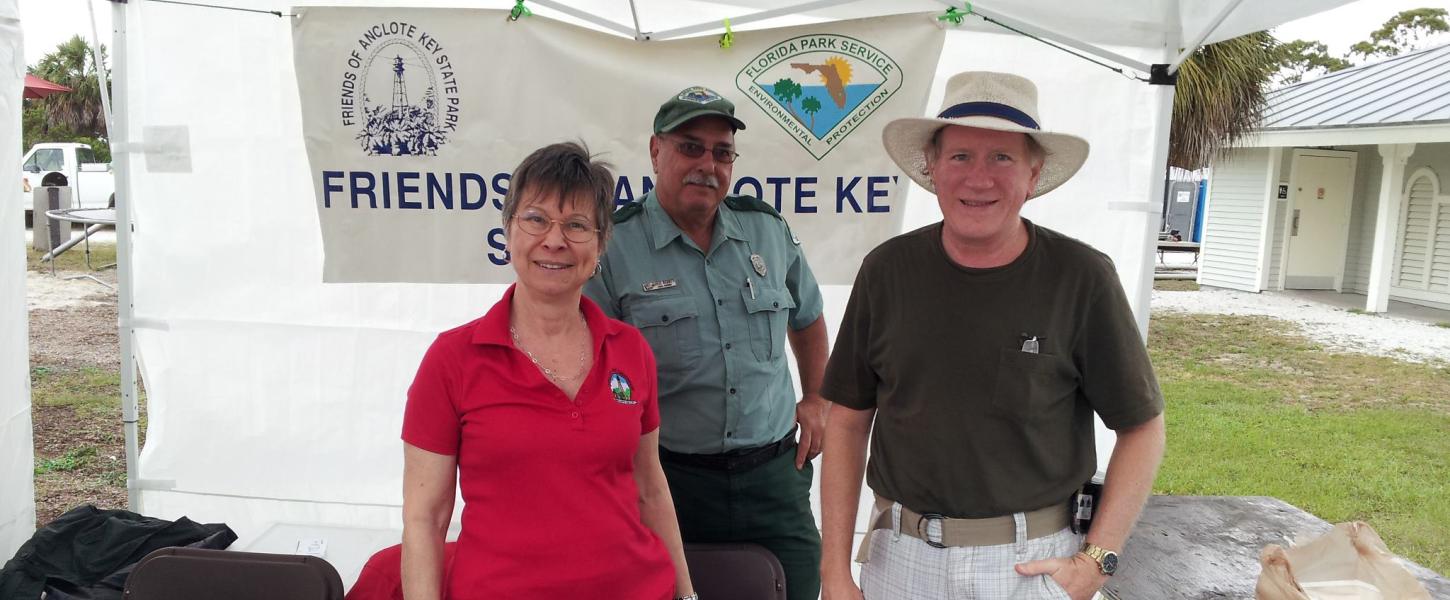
[
  {"x": 820, "y": 87},
  {"x": 399, "y": 91}
]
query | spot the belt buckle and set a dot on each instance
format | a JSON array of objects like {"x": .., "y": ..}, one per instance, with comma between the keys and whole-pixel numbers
[{"x": 924, "y": 523}]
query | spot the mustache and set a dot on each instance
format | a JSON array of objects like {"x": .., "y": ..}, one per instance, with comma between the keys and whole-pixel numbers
[{"x": 702, "y": 179}]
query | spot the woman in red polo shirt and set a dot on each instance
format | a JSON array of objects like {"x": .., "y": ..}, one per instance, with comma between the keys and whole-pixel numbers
[{"x": 545, "y": 411}]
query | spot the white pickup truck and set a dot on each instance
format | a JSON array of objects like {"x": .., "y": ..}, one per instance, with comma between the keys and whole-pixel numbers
[{"x": 92, "y": 184}]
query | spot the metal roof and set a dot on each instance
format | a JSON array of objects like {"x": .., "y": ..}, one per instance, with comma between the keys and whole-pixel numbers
[{"x": 1407, "y": 90}]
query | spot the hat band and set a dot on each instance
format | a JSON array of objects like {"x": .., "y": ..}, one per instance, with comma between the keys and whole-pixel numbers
[{"x": 989, "y": 109}]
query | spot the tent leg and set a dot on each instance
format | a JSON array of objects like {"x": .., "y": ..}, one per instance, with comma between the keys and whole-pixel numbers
[
  {"x": 1164, "y": 99},
  {"x": 120, "y": 140}
]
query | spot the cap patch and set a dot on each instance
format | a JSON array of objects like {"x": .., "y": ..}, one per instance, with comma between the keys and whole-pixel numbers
[{"x": 699, "y": 95}]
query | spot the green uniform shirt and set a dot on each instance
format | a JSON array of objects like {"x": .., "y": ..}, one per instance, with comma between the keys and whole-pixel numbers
[{"x": 716, "y": 319}]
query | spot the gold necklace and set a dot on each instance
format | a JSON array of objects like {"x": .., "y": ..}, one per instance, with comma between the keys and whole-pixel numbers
[{"x": 550, "y": 373}]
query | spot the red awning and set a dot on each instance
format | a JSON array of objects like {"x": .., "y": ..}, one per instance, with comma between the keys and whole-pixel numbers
[{"x": 36, "y": 87}]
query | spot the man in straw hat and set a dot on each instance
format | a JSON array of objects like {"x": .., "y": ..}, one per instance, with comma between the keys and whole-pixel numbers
[
  {"x": 718, "y": 285},
  {"x": 981, "y": 346}
]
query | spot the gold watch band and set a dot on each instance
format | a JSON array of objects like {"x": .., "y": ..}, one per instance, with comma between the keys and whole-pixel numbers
[{"x": 1107, "y": 559}]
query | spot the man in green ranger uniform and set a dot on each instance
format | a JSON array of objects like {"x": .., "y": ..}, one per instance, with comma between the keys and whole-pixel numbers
[{"x": 717, "y": 285}]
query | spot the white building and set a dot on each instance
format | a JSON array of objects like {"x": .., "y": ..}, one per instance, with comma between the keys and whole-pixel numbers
[{"x": 1341, "y": 189}]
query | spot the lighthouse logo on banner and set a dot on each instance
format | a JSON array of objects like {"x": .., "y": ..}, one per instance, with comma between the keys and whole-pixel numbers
[{"x": 399, "y": 91}]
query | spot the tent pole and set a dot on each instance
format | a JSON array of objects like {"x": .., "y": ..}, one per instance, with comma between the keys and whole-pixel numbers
[
  {"x": 1164, "y": 99},
  {"x": 100, "y": 68},
  {"x": 584, "y": 16},
  {"x": 120, "y": 139},
  {"x": 1207, "y": 31},
  {"x": 750, "y": 18},
  {"x": 1055, "y": 37},
  {"x": 633, "y": 12}
]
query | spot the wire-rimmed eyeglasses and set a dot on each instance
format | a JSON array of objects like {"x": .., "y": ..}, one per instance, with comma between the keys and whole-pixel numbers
[{"x": 576, "y": 229}]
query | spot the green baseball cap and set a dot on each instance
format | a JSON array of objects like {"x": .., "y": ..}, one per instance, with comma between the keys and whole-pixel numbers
[{"x": 693, "y": 102}]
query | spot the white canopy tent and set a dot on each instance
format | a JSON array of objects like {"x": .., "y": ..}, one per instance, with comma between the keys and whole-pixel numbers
[
  {"x": 275, "y": 398},
  {"x": 17, "y": 489}
]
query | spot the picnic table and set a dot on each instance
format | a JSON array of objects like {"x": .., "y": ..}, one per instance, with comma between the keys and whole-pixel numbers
[
  {"x": 96, "y": 218},
  {"x": 1165, "y": 246},
  {"x": 1201, "y": 547}
]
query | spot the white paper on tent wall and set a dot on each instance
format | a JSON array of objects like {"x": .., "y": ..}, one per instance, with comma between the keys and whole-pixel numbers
[{"x": 166, "y": 149}]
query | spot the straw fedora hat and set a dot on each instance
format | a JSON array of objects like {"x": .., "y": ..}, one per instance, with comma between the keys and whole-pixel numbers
[{"x": 986, "y": 100}]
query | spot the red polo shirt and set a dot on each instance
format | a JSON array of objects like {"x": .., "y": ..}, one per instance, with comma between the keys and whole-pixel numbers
[{"x": 551, "y": 509}]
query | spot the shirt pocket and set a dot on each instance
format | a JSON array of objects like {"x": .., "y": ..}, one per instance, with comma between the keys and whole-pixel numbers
[
  {"x": 671, "y": 325},
  {"x": 767, "y": 310},
  {"x": 1031, "y": 387}
]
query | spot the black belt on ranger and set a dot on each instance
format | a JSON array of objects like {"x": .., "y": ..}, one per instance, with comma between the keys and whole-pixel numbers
[{"x": 742, "y": 459}]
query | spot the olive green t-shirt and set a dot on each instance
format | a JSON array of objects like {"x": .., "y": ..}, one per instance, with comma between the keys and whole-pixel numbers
[{"x": 968, "y": 423}]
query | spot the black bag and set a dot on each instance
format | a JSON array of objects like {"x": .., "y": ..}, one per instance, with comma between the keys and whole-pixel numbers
[{"x": 87, "y": 553}]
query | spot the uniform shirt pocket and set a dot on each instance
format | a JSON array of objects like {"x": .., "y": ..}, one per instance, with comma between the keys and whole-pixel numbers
[
  {"x": 1032, "y": 386},
  {"x": 767, "y": 310},
  {"x": 671, "y": 325}
]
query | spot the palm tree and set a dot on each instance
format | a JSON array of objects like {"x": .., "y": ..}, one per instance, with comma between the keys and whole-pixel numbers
[
  {"x": 79, "y": 111},
  {"x": 811, "y": 105},
  {"x": 787, "y": 91},
  {"x": 1220, "y": 97}
]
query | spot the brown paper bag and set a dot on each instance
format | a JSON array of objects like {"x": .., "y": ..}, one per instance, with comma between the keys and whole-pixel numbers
[{"x": 1350, "y": 562}]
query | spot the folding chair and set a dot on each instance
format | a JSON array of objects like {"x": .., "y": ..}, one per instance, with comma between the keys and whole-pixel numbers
[
  {"x": 189, "y": 573},
  {"x": 735, "y": 572}
]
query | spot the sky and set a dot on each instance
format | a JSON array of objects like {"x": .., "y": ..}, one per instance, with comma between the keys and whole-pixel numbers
[{"x": 47, "y": 23}]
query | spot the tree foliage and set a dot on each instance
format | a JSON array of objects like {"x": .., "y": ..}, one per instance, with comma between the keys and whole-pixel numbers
[
  {"x": 1407, "y": 31},
  {"x": 398, "y": 131},
  {"x": 74, "y": 116},
  {"x": 1221, "y": 88},
  {"x": 1220, "y": 97},
  {"x": 787, "y": 90},
  {"x": 1302, "y": 57},
  {"x": 810, "y": 105}
]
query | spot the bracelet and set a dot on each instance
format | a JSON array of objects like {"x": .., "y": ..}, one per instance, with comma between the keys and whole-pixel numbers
[{"x": 689, "y": 597}]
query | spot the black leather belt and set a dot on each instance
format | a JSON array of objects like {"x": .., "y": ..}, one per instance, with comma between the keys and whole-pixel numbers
[{"x": 742, "y": 459}]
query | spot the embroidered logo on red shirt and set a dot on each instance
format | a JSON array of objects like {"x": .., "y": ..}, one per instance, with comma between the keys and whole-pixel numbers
[{"x": 619, "y": 386}]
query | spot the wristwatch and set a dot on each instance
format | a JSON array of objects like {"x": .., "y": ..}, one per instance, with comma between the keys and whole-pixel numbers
[
  {"x": 689, "y": 597},
  {"x": 1107, "y": 559}
]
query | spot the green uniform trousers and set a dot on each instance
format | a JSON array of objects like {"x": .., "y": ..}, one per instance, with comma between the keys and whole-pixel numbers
[{"x": 769, "y": 505}]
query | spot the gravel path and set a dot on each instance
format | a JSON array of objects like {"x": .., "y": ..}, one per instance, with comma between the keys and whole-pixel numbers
[{"x": 1335, "y": 328}]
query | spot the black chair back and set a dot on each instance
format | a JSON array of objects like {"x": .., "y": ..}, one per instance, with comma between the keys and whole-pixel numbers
[
  {"x": 735, "y": 572},
  {"x": 190, "y": 573}
]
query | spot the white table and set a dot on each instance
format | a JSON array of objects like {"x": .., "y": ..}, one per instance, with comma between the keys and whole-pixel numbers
[
  {"x": 85, "y": 216},
  {"x": 347, "y": 549}
]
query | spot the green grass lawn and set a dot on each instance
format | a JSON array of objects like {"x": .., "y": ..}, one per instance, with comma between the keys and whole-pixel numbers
[
  {"x": 1255, "y": 409},
  {"x": 1175, "y": 285},
  {"x": 91, "y": 391},
  {"x": 73, "y": 259}
]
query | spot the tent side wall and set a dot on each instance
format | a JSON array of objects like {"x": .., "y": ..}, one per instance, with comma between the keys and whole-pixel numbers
[
  {"x": 273, "y": 397},
  {"x": 17, "y": 483},
  {"x": 1234, "y": 226}
]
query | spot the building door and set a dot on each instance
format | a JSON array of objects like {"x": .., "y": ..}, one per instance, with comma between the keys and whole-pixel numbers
[{"x": 1321, "y": 188}]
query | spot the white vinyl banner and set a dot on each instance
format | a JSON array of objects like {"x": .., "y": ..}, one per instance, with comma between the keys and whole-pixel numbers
[{"x": 413, "y": 120}]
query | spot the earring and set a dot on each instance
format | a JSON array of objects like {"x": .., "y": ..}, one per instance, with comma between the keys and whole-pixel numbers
[{"x": 598, "y": 268}]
